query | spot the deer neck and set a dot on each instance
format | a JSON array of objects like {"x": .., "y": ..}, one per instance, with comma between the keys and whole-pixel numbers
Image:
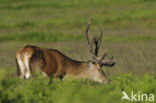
[{"x": 77, "y": 67}]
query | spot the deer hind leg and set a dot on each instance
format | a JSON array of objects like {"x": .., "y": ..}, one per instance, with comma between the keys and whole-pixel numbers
[
  {"x": 21, "y": 68},
  {"x": 27, "y": 74}
]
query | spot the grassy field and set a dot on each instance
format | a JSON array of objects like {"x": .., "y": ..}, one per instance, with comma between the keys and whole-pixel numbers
[{"x": 129, "y": 36}]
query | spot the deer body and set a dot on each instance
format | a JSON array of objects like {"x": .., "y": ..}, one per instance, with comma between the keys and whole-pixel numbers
[
  {"x": 47, "y": 60},
  {"x": 51, "y": 61}
]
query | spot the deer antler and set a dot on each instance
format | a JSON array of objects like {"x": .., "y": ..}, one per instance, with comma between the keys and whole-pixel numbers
[
  {"x": 87, "y": 39},
  {"x": 97, "y": 43}
]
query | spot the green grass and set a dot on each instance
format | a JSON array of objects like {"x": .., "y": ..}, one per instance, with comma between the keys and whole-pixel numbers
[
  {"x": 45, "y": 90},
  {"x": 42, "y": 37},
  {"x": 69, "y": 17}
]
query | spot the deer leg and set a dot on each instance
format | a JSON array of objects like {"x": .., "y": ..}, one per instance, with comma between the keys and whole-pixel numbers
[
  {"x": 21, "y": 66},
  {"x": 27, "y": 69}
]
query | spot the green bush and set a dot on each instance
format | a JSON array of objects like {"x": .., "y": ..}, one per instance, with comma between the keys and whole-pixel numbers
[{"x": 45, "y": 90}]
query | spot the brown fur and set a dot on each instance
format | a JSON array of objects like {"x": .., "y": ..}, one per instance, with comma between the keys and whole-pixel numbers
[{"x": 51, "y": 61}]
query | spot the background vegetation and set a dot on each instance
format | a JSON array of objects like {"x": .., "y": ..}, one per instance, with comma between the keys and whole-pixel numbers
[{"x": 129, "y": 35}]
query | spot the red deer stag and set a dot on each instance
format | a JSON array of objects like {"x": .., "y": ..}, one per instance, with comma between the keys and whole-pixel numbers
[{"x": 51, "y": 61}]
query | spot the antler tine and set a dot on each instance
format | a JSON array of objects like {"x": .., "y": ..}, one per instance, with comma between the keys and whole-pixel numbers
[
  {"x": 87, "y": 39},
  {"x": 110, "y": 62},
  {"x": 100, "y": 39},
  {"x": 98, "y": 43},
  {"x": 104, "y": 56}
]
